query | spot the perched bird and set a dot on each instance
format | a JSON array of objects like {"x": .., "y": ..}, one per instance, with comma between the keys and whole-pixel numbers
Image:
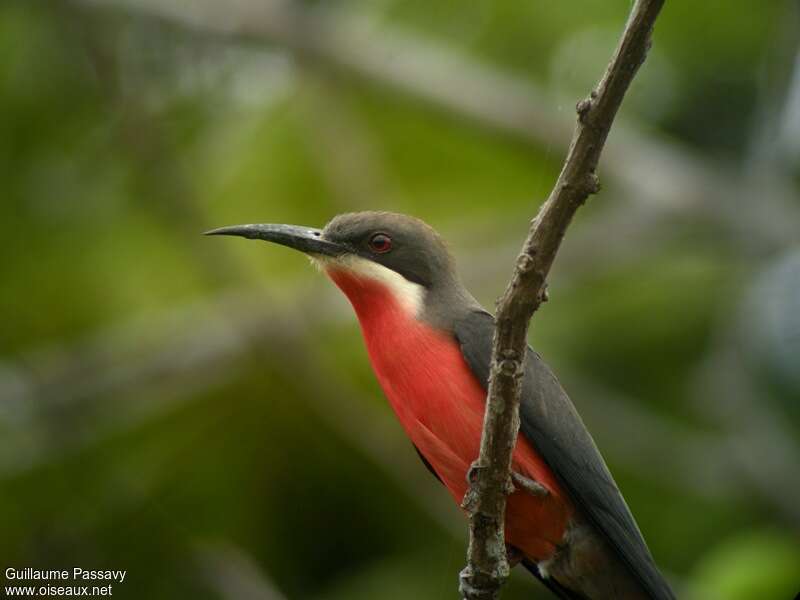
[{"x": 430, "y": 342}]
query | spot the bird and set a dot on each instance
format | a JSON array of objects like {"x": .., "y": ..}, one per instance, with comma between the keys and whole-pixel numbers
[{"x": 429, "y": 342}]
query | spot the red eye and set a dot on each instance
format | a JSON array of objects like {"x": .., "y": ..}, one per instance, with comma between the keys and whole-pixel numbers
[{"x": 380, "y": 243}]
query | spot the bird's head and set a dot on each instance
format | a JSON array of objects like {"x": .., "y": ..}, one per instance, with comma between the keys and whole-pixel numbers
[{"x": 366, "y": 251}]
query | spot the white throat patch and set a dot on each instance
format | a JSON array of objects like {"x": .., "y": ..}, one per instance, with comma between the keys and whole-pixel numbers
[{"x": 411, "y": 295}]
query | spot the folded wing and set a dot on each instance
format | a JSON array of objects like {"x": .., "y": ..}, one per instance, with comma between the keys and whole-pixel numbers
[{"x": 550, "y": 422}]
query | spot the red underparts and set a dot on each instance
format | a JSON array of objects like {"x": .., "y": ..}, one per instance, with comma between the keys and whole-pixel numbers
[{"x": 440, "y": 404}]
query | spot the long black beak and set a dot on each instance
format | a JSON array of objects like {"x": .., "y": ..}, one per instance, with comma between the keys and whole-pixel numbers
[{"x": 305, "y": 239}]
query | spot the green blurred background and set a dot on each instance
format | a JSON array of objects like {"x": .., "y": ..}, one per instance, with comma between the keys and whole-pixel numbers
[{"x": 201, "y": 412}]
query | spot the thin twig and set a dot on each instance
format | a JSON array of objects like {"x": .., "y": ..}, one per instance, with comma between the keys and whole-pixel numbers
[{"x": 487, "y": 567}]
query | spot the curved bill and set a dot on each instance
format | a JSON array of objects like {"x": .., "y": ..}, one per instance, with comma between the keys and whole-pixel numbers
[{"x": 305, "y": 239}]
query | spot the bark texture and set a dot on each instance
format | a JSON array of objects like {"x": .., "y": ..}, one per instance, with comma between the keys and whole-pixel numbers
[{"x": 490, "y": 477}]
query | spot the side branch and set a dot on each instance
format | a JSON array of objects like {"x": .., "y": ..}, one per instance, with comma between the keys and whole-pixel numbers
[{"x": 490, "y": 479}]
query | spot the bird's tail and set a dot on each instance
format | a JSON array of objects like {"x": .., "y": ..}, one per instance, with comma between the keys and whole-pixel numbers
[{"x": 559, "y": 590}]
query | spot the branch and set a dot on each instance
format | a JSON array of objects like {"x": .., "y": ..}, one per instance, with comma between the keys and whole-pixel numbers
[{"x": 490, "y": 482}]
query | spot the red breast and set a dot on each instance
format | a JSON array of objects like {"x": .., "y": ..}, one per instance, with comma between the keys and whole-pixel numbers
[{"x": 440, "y": 404}]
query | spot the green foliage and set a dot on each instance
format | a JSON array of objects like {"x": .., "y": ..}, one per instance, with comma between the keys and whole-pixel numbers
[
  {"x": 760, "y": 564},
  {"x": 133, "y": 441}
]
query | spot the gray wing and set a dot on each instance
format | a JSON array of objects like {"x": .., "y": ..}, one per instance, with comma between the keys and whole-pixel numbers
[{"x": 550, "y": 422}]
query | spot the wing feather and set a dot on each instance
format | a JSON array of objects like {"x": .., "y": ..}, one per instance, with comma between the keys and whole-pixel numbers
[{"x": 550, "y": 422}]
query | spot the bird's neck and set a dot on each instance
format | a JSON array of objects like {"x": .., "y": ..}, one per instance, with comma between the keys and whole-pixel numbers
[
  {"x": 419, "y": 366},
  {"x": 375, "y": 290},
  {"x": 390, "y": 315},
  {"x": 384, "y": 307}
]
